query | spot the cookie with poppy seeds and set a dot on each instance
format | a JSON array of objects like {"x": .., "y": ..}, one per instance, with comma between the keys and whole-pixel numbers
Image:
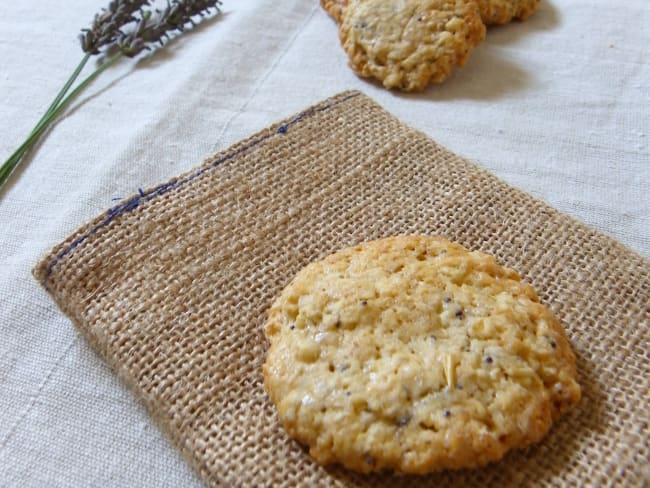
[
  {"x": 414, "y": 354},
  {"x": 407, "y": 44}
]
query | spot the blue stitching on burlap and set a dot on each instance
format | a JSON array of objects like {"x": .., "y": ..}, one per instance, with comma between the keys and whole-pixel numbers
[{"x": 142, "y": 196}]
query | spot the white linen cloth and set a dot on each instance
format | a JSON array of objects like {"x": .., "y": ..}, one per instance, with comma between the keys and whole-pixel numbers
[{"x": 558, "y": 106}]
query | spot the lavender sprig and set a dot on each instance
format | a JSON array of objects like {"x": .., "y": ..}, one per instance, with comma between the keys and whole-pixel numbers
[
  {"x": 157, "y": 28},
  {"x": 152, "y": 29},
  {"x": 106, "y": 25},
  {"x": 104, "y": 30}
]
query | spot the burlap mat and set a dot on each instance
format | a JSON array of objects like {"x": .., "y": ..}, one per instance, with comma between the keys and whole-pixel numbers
[{"x": 172, "y": 287}]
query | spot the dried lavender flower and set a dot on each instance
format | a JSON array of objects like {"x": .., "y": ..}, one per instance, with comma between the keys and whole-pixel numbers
[
  {"x": 157, "y": 28},
  {"x": 106, "y": 25}
]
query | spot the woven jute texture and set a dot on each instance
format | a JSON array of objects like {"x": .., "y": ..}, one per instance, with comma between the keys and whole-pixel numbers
[{"x": 172, "y": 286}]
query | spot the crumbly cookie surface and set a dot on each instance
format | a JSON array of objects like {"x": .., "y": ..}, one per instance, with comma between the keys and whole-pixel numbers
[
  {"x": 414, "y": 354},
  {"x": 334, "y": 8},
  {"x": 407, "y": 44},
  {"x": 503, "y": 11}
]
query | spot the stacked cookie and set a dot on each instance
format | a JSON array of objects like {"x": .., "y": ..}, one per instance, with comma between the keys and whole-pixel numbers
[{"x": 407, "y": 44}]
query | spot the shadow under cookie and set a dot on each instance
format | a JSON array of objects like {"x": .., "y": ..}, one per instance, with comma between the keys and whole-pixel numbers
[{"x": 488, "y": 75}]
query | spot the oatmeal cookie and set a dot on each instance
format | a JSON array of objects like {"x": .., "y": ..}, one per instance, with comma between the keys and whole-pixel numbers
[
  {"x": 407, "y": 44},
  {"x": 413, "y": 354}
]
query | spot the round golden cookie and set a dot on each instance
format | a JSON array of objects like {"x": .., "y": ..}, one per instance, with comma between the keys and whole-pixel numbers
[
  {"x": 503, "y": 11},
  {"x": 334, "y": 8},
  {"x": 407, "y": 44},
  {"x": 414, "y": 354}
]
